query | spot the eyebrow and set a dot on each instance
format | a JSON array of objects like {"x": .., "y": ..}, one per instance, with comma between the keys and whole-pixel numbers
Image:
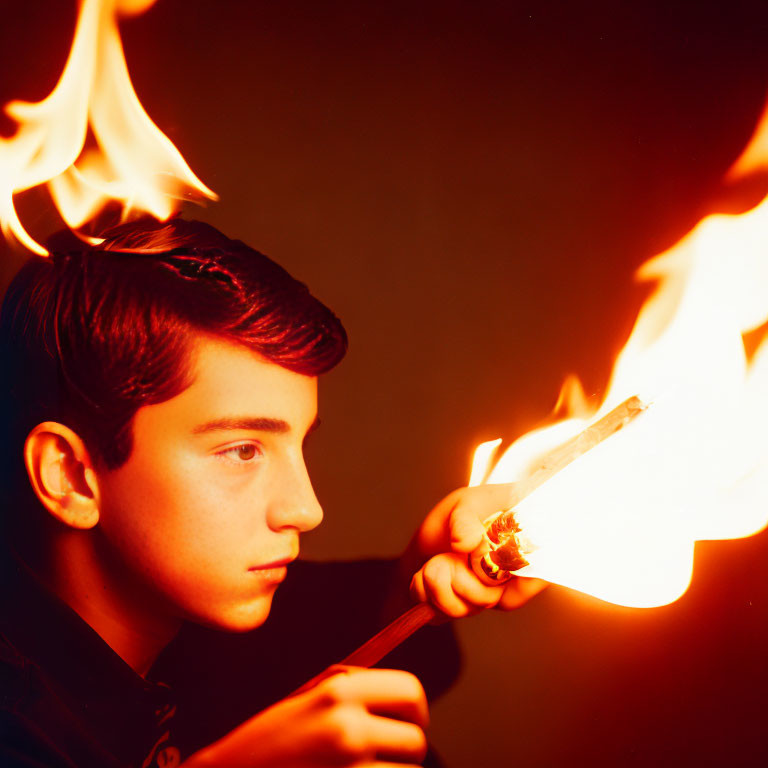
[{"x": 253, "y": 423}]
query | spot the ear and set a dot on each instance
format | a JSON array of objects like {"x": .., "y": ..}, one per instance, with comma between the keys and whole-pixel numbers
[{"x": 62, "y": 476}]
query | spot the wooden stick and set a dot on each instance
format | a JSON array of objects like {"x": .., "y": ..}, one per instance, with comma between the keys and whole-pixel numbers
[
  {"x": 382, "y": 643},
  {"x": 558, "y": 459},
  {"x": 375, "y": 649},
  {"x": 505, "y": 555},
  {"x": 385, "y": 641}
]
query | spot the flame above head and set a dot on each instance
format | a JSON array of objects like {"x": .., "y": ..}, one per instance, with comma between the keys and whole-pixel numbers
[
  {"x": 132, "y": 161},
  {"x": 620, "y": 522}
]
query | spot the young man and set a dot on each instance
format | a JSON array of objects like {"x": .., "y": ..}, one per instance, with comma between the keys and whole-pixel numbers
[{"x": 157, "y": 391}]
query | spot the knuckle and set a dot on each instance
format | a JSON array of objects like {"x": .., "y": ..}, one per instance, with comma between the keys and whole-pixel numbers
[
  {"x": 433, "y": 570},
  {"x": 413, "y": 687},
  {"x": 414, "y": 682},
  {"x": 420, "y": 745},
  {"x": 488, "y": 596},
  {"x": 462, "y": 515},
  {"x": 346, "y": 733},
  {"x": 458, "y": 609},
  {"x": 334, "y": 690},
  {"x": 511, "y": 602}
]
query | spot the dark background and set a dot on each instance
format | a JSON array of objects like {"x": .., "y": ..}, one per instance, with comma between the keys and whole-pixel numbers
[{"x": 471, "y": 186}]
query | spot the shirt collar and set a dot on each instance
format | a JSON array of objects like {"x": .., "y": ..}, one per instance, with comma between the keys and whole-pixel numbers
[{"x": 124, "y": 711}]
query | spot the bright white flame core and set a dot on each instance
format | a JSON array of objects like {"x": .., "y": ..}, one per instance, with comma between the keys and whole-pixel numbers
[
  {"x": 134, "y": 163},
  {"x": 620, "y": 522}
]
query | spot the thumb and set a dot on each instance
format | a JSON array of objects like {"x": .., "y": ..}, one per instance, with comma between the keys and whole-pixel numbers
[
  {"x": 474, "y": 507},
  {"x": 466, "y": 530}
]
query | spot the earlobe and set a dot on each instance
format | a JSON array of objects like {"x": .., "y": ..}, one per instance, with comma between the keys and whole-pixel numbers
[{"x": 61, "y": 472}]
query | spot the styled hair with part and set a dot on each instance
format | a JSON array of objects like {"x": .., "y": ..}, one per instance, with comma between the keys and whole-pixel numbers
[{"x": 88, "y": 336}]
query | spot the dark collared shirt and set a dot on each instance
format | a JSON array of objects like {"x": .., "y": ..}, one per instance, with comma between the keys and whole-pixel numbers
[
  {"x": 66, "y": 698},
  {"x": 320, "y": 614}
]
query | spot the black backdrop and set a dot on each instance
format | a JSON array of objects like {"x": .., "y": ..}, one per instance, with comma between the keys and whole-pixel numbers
[{"x": 471, "y": 186}]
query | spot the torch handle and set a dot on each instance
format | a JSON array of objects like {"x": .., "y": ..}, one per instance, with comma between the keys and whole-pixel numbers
[{"x": 375, "y": 649}]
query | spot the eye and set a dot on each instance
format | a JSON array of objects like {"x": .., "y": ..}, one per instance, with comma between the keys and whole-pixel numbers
[{"x": 242, "y": 453}]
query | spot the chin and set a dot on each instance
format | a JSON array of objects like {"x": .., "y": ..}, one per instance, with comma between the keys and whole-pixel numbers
[{"x": 241, "y": 618}]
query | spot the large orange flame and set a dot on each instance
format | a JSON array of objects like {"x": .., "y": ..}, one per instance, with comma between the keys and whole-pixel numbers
[
  {"x": 621, "y": 521},
  {"x": 133, "y": 162}
]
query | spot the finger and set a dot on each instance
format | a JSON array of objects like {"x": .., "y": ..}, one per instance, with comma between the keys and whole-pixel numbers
[
  {"x": 437, "y": 576},
  {"x": 419, "y": 595},
  {"x": 465, "y": 529},
  {"x": 418, "y": 592},
  {"x": 476, "y": 505},
  {"x": 476, "y": 557},
  {"x": 469, "y": 588},
  {"x": 396, "y": 740},
  {"x": 434, "y": 532},
  {"x": 381, "y": 691},
  {"x": 380, "y": 764},
  {"x": 519, "y": 591},
  {"x": 317, "y": 679}
]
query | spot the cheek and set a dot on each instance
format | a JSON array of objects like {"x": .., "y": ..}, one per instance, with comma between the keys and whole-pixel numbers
[{"x": 179, "y": 519}]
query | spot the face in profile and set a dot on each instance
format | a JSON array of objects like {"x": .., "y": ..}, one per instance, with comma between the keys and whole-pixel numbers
[{"x": 208, "y": 508}]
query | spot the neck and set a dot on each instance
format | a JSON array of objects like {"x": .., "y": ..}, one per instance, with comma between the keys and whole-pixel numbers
[{"x": 121, "y": 610}]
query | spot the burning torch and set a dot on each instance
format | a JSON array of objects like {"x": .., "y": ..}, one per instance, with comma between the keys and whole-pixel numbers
[{"x": 505, "y": 546}]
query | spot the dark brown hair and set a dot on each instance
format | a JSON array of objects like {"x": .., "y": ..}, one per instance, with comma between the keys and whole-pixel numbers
[{"x": 90, "y": 335}]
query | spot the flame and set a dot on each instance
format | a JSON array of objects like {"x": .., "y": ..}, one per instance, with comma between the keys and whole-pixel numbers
[
  {"x": 620, "y": 522},
  {"x": 132, "y": 161}
]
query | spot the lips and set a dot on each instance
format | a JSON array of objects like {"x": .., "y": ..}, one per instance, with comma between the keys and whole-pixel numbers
[{"x": 273, "y": 564}]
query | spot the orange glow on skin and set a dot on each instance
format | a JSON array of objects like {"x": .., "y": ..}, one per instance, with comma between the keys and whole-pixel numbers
[
  {"x": 202, "y": 520},
  {"x": 210, "y": 517}
]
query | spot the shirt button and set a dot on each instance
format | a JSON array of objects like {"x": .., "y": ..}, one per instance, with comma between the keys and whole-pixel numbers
[{"x": 168, "y": 757}]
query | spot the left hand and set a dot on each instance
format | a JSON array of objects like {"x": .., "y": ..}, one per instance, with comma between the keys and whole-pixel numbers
[{"x": 450, "y": 532}]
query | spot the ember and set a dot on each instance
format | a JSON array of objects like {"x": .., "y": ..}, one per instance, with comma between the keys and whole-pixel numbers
[{"x": 507, "y": 548}]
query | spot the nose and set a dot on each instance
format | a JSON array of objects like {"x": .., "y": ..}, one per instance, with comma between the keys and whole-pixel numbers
[{"x": 295, "y": 504}]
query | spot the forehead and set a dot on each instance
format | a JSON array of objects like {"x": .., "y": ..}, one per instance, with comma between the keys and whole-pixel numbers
[{"x": 229, "y": 380}]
